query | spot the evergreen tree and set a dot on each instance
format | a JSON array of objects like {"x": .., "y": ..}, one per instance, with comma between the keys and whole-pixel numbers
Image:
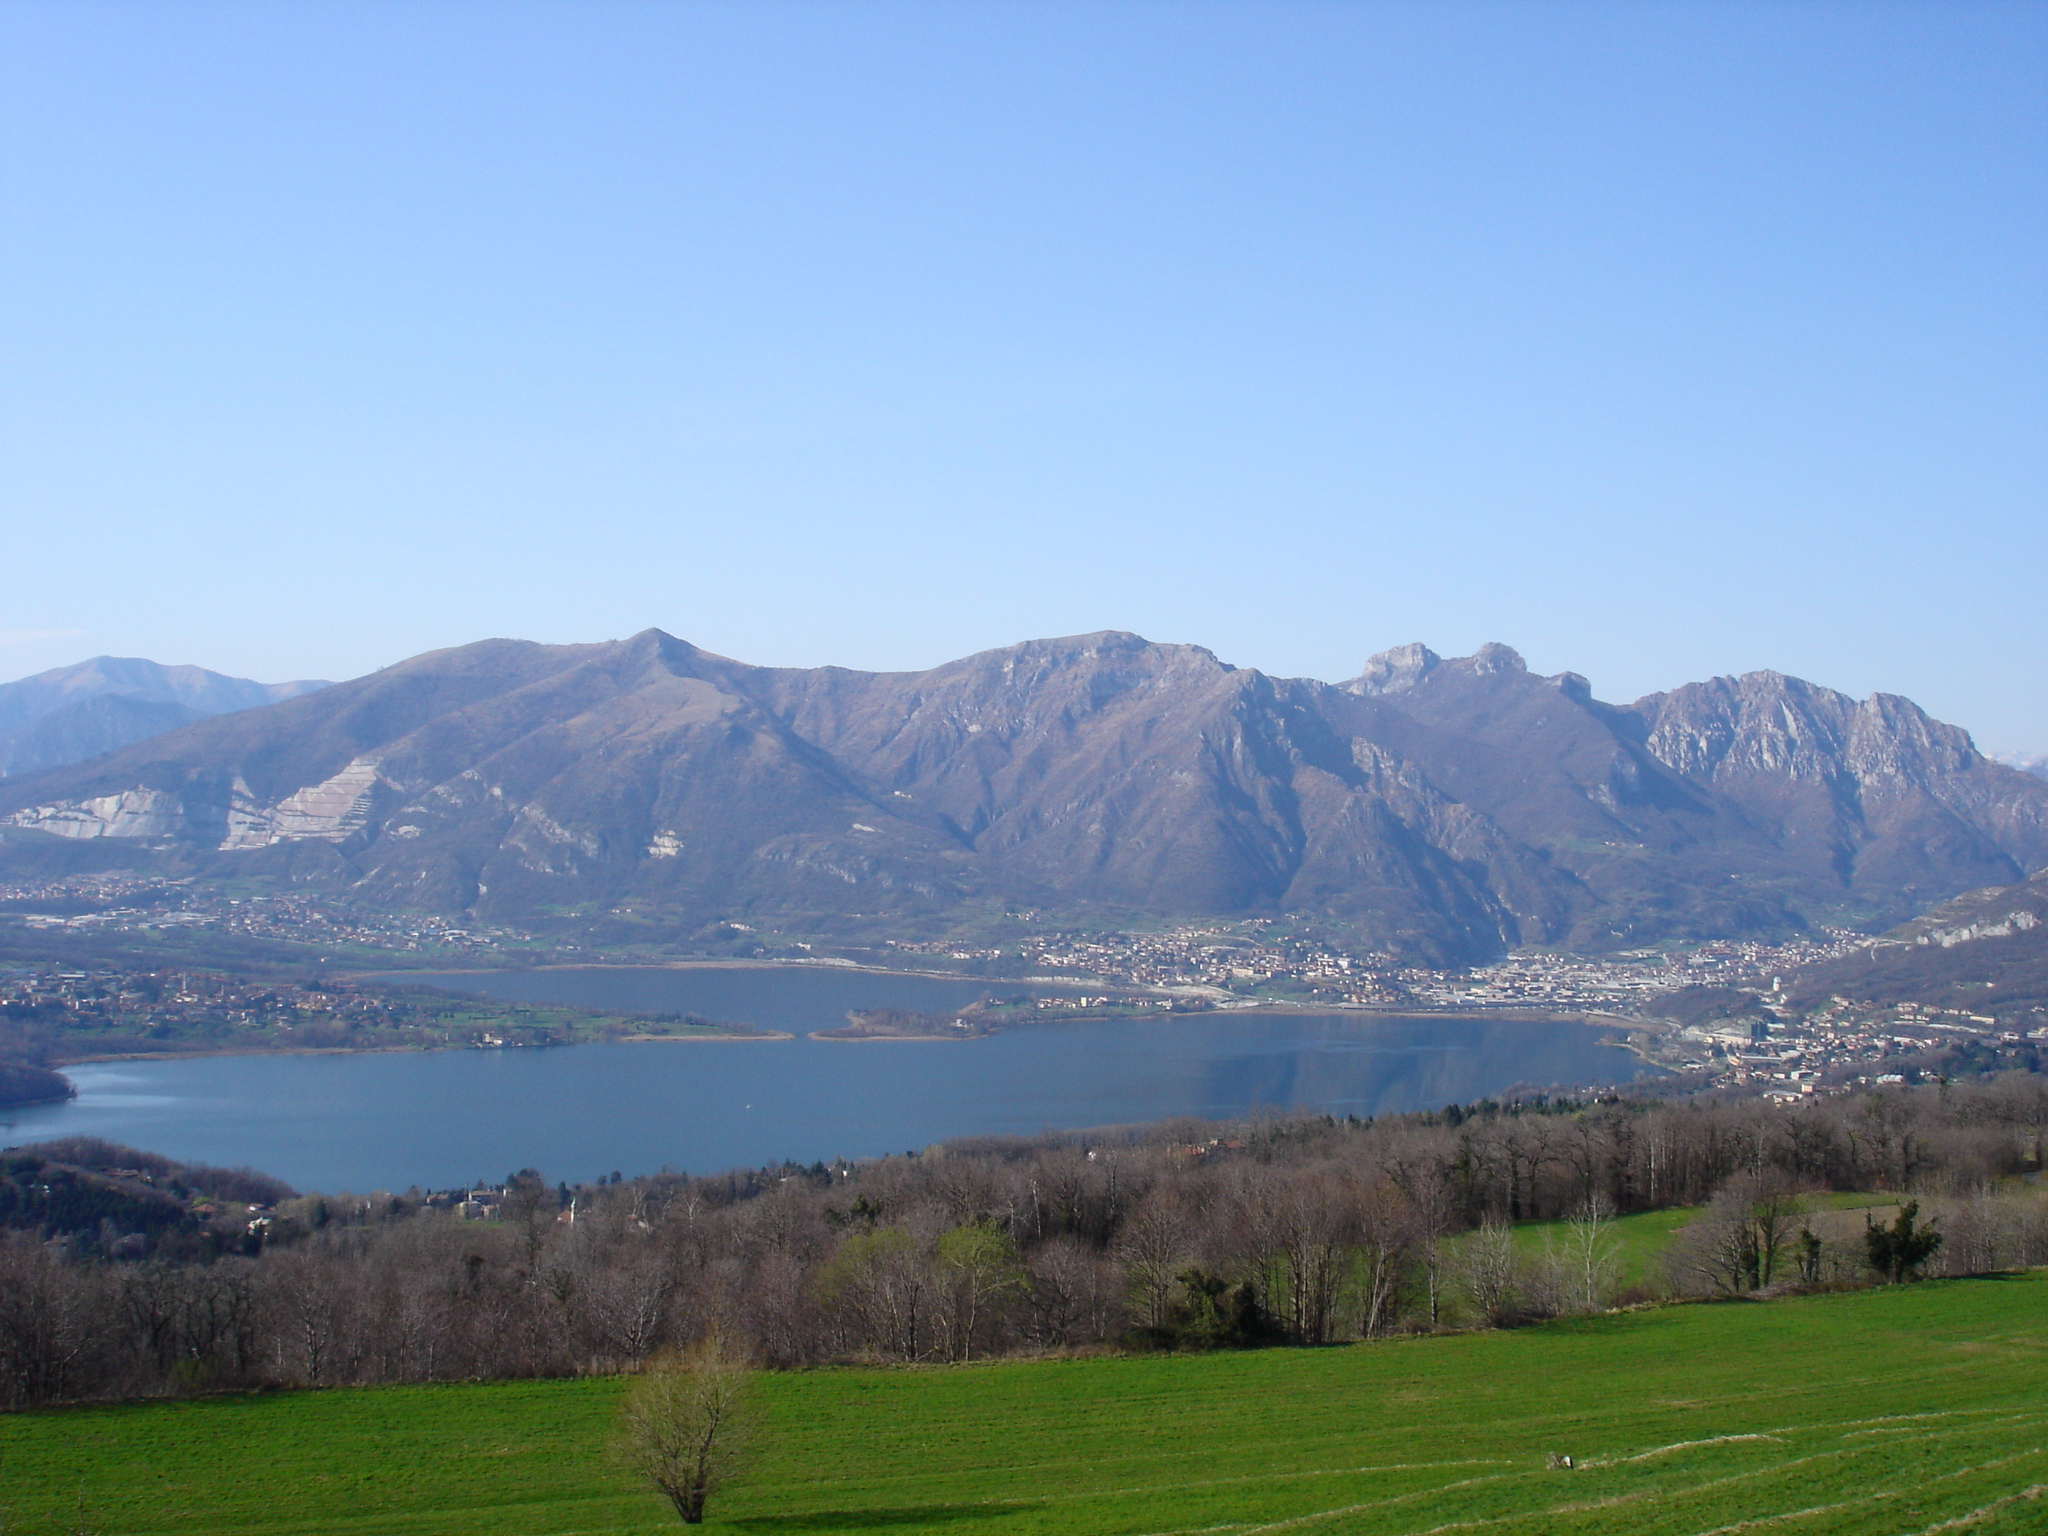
[{"x": 1898, "y": 1250}]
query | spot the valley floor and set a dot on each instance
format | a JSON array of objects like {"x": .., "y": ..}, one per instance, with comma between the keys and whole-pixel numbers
[{"x": 1903, "y": 1410}]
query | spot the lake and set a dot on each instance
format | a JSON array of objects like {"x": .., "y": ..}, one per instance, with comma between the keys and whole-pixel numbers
[{"x": 442, "y": 1118}]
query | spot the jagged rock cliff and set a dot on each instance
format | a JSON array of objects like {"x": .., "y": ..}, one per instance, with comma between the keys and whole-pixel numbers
[{"x": 1893, "y": 805}]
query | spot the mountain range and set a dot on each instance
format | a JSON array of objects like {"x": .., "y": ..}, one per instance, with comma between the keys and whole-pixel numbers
[
  {"x": 1440, "y": 809},
  {"x": 69, "y": 714}
]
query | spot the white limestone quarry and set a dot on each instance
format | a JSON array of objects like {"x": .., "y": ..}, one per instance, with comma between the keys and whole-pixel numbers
[
  {"x": 130, "y": 813},
  {"x": 2002, "y": 928},
  {"x": 331, "y": 810}
]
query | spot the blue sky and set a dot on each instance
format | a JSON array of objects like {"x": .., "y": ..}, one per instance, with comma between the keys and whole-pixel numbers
[{"x": 1657, "y": 340}]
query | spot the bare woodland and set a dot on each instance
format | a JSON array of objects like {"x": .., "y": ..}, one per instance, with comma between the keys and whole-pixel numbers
[{"x": 1309, "y": 1231}]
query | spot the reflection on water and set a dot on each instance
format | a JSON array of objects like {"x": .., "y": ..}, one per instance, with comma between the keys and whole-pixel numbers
[
  {"x": 440, "y": 1118},
  {"x": 116, "y": 1087}
]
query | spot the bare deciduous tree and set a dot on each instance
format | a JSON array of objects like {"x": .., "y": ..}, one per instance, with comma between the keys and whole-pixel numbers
[
  {"x": 687, "y": 1422},
  {"x": 878, "y": 1288},
  {"x": 979, "y": 1271},
  {"x": 1154, "y": 1247},
  {"x": 1740, "y": 1243},
  {"x": 1491, "y": 1271},
  {"x": 1589, "y": 1256},
  {"x": 1071, "y": 1297},
  {"x": 1388, "y": 1233}
]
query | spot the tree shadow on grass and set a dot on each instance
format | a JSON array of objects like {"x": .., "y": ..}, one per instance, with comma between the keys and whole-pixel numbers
[{"x": 871, "y": 1519}]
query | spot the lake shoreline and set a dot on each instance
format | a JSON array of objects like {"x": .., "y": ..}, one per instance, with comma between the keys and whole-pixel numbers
[
  {"x": 831, "y": 1037},
  {"x": 721, "y": 1037},
  {"x": 839, "y": 1037},
  {"x": 1638, "y": 1037},
  {"x": 54, "y": 1098},
  {"x": 1364, "y": 1011},
  {"x": 1223, "y": 1002},
  {"x": 828, "y": 966}
]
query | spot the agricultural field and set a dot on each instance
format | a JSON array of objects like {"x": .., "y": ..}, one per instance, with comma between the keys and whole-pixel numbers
[{"x": 1911, "y": 1409}]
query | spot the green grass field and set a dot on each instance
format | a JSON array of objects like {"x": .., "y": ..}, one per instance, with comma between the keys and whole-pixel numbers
[
  {"x": 1640, "y": 1240},
  {"x": 1916, "y": 1409}
]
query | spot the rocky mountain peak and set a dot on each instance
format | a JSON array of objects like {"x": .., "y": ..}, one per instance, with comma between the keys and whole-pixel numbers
[
  {"x": 1406, "y": 667},
  {"x": 1769, "y": 723},
  {"x": 1110, "y": 645},
  {"x": 1892, "y": 737},
  {"x": 1394, "y": 671},
  {"x": 1573, "y": 686},
  {"x": 656, "y": 653},
  {"x": 1108, "y": 661},
  {"x": 1494, "y": 659},
  {"x": 1760, "y": 722}
]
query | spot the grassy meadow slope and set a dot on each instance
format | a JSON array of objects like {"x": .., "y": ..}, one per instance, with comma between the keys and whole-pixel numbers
[
  {"x": 1639, "y": 1241},
  {"x": 1892, "y": 1410}
]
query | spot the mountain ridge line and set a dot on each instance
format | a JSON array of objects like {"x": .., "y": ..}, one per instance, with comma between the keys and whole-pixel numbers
[{"x": 1441, "y": 808}]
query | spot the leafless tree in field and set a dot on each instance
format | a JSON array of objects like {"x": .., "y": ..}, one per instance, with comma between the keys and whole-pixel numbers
[
  {"x": 1588, "y": 1256},
  {"x": 687, "y": 1422},
  {"x": 1490, "y": 1270},
  {"x": 1740, "y": 1243}
]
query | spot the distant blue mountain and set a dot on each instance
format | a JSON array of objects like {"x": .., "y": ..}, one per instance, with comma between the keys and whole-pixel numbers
[{"x": 69, "y": 714}]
